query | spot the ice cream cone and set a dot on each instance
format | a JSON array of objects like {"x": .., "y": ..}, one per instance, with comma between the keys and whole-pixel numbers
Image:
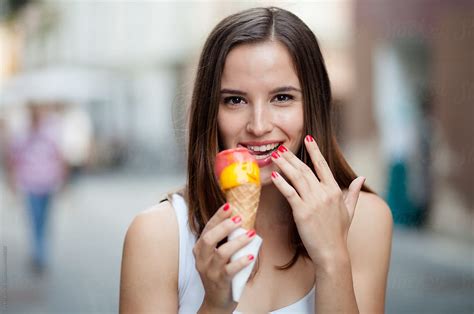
[
  {"x": 239, "y": 179},
  {"x": 243, "y": 200}
]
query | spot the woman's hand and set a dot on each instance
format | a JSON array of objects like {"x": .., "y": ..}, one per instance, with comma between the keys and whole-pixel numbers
[
  {"x": 213, "y": 264},
  {"x": 322, "y": 212}
]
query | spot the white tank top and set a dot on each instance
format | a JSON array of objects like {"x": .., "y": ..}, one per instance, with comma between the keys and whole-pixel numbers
[{"x": 191, "y": 290}]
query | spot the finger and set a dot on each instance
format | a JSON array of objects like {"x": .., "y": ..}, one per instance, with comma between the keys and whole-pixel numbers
[
  {"x": 312, "y": 184},
  {"x": 208, "y": 241},
  {"x": 352, "y": 195},
  {"x": 234, "y": 267},
  {"x": 221, "y": 214},
  {"x": 225, "y": 251},
  {"x": 297, "y": 163},
  {"x": 319, "y": 162},
  {"x": 296, "y": 177},
  {"x": 287, "y": 190}
]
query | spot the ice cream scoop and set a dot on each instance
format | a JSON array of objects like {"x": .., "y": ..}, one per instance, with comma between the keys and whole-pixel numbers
[{"x": 239, "y": 179}]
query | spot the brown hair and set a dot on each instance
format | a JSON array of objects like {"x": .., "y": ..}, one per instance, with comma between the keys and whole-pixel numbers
[{"x": 255, "y": 25}]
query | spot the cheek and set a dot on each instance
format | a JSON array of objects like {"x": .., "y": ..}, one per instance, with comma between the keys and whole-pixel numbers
[
  {"x": 292, "y": 122},
  {"x": 227, "y": 126}
]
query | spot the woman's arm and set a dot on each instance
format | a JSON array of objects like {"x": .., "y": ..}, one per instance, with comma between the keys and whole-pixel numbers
[
  {"x": 354, "y": 280},
  {"x": 347, "y": 235},
  {"x": 370, "y": 245},
  {"x": 149, "y": 278}
]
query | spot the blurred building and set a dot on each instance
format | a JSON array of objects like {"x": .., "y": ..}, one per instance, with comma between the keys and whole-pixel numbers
[
  {"x": 415, "y": 76},
  {"x": 144, "y": 55},
  {"x": 401, "y": 75}
]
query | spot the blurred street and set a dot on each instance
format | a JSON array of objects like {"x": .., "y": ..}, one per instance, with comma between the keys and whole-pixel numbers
[
  {"x": 88, "y": 225},
  {"x": 430, "y": 273}
]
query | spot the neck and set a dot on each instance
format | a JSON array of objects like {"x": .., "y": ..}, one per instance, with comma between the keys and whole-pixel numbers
[
  {"x": 274, "y": 218},
  {"x": 274, "y": 214}
]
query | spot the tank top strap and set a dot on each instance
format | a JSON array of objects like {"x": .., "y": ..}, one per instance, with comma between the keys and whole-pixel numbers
[{"x": 186, "y": 243}]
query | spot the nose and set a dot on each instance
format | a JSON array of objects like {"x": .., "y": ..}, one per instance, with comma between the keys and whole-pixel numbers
[{"x": 260, "y": 120}]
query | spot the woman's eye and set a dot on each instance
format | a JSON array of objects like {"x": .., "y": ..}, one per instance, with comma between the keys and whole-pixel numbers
[
  {"x": 283, "y": 97},
  {"x": 233, "y": 100}
]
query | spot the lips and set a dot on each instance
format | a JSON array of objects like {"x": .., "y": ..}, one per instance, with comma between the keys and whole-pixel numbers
[
  {"x": 262, "y": 150},
  {"x": 258, "y": 149}
]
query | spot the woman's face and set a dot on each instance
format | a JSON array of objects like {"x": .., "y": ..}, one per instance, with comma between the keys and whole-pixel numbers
[{"x": 261, "y": 103}]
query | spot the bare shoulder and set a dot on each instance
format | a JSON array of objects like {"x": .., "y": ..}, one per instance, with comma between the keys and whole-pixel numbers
[
  {"x": 369, "y": 243},
  {"x": 151, "y": 221},
  {"x": 372, "y": 211},
  {"x": 155, "y": 228},
  {"x": 371, "y": 227},
  {"x": 149, "y": 276}
]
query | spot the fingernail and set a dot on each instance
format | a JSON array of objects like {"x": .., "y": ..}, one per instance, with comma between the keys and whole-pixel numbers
[
  {"x": 226, "y": 207},
  {"x": 251, "y": 233},
  {"x": 274, "y": 174},
  {"x": 251, "y": 257},
  {"x": 282, "y": 148},
  {"x": 309, "y": 138},
  {"x": 236, "y": 219},
  {"x": 275, "y": 155}
]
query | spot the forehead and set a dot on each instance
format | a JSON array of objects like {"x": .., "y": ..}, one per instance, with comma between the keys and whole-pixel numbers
[{"x": 264, "y": 64}]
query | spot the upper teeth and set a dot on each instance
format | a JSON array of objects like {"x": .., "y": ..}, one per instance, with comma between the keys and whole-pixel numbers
[{"x": 263, "y": 148}]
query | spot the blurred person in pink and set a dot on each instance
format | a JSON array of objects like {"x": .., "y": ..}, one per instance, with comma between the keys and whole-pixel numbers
[{"x": 36, "y": 170}]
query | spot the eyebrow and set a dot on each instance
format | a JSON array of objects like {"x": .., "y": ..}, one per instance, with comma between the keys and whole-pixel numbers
[{"x": 276, "y": 90}]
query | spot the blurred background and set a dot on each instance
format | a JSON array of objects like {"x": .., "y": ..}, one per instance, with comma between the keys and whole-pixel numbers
[{"x": 93, "y": 105}]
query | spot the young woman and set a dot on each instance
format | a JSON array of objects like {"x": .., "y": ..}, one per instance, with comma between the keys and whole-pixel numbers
[{"x": 262, "y": 84}]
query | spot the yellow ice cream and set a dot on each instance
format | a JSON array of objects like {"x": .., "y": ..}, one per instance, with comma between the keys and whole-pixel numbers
[{"x": 239, "y": 173}]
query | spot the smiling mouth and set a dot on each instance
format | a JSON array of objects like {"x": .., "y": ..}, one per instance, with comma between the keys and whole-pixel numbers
[{"x": 263, "y": 151}]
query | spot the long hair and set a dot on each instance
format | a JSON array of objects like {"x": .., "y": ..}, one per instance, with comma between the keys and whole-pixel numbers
[{"x": 256, "y": 25}]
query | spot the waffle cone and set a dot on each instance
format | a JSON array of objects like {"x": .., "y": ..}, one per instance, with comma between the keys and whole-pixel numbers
[{"x": 243, "y": 200}]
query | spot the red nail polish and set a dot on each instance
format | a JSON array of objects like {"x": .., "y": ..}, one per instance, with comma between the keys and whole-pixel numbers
[
  {"x": 251, "y": 257},
  {"x": 275, "y": 155},
  {"x": 236, "y": 219},
  {"x": 282, "y": 148},
  {"x": 251, "y": 233},
  {"x": 226, "y": 207},
  {"x": 309, "y": 138},
  {"x": 274, "y": 174}
]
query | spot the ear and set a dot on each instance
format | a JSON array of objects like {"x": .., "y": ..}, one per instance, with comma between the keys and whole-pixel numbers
[{"x": 352, "y": 195}]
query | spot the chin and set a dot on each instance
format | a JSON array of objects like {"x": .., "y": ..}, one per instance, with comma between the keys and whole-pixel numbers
[
  {"x": 266, "y": 175},
  {"x": 265, "y": 181}
]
